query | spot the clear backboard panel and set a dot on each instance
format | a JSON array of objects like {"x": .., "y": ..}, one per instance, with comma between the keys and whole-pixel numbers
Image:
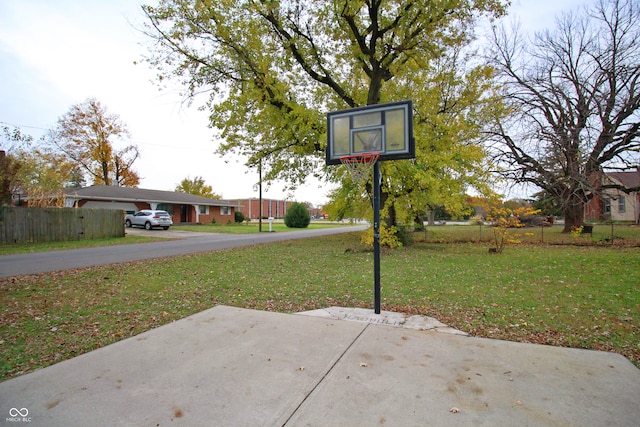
[{"x": 386, "y": 129}]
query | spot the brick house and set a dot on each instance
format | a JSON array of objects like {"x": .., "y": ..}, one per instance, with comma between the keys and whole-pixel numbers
[
  {"x": 614, "y": 204},
  {"x": 271, "y": 208},
  {"x": 183, "y": 207}
]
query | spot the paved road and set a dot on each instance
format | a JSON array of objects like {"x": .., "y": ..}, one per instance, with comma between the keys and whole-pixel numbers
[{"x": 185, "y": 243}]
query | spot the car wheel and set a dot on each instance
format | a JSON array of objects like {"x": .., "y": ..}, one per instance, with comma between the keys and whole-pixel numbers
[
  {"x": 147, "y": 226},
  {"x": 127, "y": 223},
  {"x": 165, "y": 228}
]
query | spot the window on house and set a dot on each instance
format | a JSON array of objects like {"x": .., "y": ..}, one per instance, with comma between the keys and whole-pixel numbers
[
  {"x": 203, "y": 210},
  {"x": 225, "y": 210},
  {"x": 165, "y": 207},
  {"x": 622, "y": 205},
  {"x": 607, "y": 206}
]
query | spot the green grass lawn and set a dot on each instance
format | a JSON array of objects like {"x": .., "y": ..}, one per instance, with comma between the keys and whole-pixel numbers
[{"x": 580, "y": 294}]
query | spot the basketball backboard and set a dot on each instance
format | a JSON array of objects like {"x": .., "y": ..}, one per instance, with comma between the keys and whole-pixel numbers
[{"x": 386, "y": 129}]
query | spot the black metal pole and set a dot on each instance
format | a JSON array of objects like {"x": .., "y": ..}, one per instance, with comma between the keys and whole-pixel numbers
[
  {"x": 260, "y": 196},
  {"x": 376, "y": 237}
]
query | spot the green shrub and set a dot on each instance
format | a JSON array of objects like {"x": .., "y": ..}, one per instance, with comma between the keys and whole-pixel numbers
[
  {"x": 239, "y": 217},
  {"x": 297, "y": 216}
]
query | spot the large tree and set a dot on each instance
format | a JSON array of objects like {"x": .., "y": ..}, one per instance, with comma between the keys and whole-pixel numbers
[
  {"x": 34, "y": 170},
  {"x": 86, "y": 134},
  {"x": 12, "y": 141},
  {"x": 198, "y": 187},
  {"x": 274, "y": 68},
  {"x": 574, "y": 95},
  {"x": 44, "y": 174}
]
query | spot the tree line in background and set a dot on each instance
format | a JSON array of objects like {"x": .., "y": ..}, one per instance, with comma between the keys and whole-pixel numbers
[
  {"x": 550, "y": 110},
  {"x": 80, "y": 149}
]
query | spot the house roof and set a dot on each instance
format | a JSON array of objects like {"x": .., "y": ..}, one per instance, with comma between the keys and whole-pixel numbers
[
  {"x": 628, "y": 179},
  {"x": 108, "y": 192}
]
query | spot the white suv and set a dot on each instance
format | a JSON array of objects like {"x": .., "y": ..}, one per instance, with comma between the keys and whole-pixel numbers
[{"x": 149, "y": 219}]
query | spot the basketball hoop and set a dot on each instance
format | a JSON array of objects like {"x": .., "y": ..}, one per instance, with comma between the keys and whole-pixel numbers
[
  {"x": 360, "y": 165},
  {"x": 358, "y": 138}
]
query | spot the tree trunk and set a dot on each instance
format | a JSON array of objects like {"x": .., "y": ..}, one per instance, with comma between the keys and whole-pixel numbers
[
  {"x": 5, "y": 179},
  {"x": 432, "y": 217},
  {"x": 105, "y": 173},
  {"x": 419, "y": 222},
  {"x": 391, "y": 220},
  {"x": 573, "y": 214}
]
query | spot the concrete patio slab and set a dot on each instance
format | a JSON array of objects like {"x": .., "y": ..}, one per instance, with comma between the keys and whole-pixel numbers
[{"x": 228, "y": 366}]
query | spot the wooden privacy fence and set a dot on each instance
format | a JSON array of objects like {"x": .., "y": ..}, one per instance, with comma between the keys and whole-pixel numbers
[{"x": 31, "y": 225}]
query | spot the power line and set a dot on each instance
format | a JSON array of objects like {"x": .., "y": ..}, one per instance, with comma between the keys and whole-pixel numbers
[
  {"x": 173, "y": 147},
  {"x": 23, "y": 126}
]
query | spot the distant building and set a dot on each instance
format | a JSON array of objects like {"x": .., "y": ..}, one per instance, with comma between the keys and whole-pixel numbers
[
  {"x": 183, "y": 207},
  {"x": 317, "y": 213},
  {"x": 271, "y": 208},
  {"x": 615, "y": 204}
]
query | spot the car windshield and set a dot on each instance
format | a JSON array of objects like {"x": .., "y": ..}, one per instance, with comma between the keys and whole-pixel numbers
[{"x": 162, "y": 213}]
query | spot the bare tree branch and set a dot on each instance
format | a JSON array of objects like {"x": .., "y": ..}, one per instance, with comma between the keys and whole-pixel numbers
[{"x": 575, "y": 100}]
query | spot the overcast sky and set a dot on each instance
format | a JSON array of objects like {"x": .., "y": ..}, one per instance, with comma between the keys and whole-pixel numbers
[{"x": 54, "y": 54}]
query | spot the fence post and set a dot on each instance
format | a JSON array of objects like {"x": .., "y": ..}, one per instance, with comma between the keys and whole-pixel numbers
[{"x": 612, "y": 234}]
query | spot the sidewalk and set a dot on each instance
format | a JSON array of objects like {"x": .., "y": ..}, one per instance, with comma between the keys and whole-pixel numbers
[{"x": 228, "y": 366}]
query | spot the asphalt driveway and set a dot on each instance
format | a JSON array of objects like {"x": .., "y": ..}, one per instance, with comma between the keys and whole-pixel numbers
[{"x": 177, "y": 243}]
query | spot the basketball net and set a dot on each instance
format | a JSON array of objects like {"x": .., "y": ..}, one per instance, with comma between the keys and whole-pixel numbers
[{"x": 360, "y": 165}]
